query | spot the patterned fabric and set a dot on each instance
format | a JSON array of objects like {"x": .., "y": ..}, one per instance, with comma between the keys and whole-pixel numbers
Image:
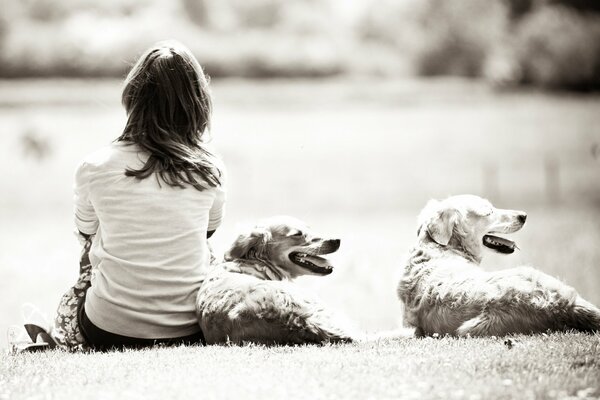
[{"x": 66, "y": 330}]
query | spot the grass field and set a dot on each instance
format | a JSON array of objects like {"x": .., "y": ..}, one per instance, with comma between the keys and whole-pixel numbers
[
  {"x": 356, "y": 159},
  {"x": 542, "y": 367}
]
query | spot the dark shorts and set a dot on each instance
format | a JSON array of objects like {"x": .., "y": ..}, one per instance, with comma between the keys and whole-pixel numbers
[{"x": 99, "y": 339}]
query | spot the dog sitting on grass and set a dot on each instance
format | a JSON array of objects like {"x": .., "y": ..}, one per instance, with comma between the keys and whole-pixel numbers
[
  {"x": 445, "y": 292},
  {"x": 250, "y": 297}
]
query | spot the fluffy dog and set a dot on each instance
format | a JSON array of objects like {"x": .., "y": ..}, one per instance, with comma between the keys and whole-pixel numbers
[
  {"x": 445, "y": 292},
  {"x": 250, "y": 297}
]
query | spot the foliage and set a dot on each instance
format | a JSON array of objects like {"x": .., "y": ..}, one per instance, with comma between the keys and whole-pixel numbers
[
  {"x": 453, "y": 46},
  {"x": 505, "y": 41},
  {"x": 87, "y": 38},
  {"x": 559, "y": 47}
]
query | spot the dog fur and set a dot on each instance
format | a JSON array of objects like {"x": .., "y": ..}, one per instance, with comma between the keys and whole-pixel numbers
[
  {"x": 251, "y": 298},
  {"x": 445, "y": 292}
]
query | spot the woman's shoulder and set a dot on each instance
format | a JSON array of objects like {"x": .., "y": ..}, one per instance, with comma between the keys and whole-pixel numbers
[
  {"x": 217, "y": 161},
  {"x": 108, "y": 154}
]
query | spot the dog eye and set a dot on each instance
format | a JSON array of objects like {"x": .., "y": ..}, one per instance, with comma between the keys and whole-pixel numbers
[{"x": 295, "y": 233}]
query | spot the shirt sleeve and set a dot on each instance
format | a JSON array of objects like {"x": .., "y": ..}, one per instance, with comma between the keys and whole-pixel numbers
[
  {"x": 217, "y": 210},
  {"x": 86, "y": 220}
]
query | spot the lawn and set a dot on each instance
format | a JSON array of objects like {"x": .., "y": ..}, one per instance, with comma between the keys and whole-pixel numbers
[
  {"x": 542, "y": 367},
  {"x": 355, "y": 159}
]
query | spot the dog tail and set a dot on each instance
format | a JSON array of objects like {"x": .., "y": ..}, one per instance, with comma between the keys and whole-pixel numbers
[{"x": 585, "y": 316}]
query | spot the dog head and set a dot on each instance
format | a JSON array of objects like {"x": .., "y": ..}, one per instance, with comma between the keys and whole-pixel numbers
[
  {"x": 466, "y": 223},
  {"x": 286, "y": 244}
]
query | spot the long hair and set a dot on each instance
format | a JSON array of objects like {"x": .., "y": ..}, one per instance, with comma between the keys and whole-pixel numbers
[{"x": 168, "y": 105}]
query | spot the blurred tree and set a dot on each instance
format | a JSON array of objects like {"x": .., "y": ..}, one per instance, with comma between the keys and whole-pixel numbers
[
  {"x": 301, "y": 16},
  {"x": 441, "y": 37},
  {"x": 258, "y": 13},
  {"x": 53, "y": 10},
  {"x": 381, "y": 22},
  {"x": 3, "y": 25},
  {"x": 570, "y": 59},
  {"x": 520, "y": 8},
  {"x": 196, "y": 11},
  {"x": 592, "y": 6},
  {"x": 233, "y": 14},
  {"x": 46, "y": 10},
  {"x": 458, "y": 35}
]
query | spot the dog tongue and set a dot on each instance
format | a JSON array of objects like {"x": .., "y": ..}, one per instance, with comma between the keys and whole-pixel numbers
[
  {"x": 318, "y": 261},
  {"x": 499, "y": 244}
]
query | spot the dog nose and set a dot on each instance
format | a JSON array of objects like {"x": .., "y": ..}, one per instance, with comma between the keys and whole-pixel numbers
[
  {"x": 336, "y": 243},
  {"x": 522, "y": 218}
]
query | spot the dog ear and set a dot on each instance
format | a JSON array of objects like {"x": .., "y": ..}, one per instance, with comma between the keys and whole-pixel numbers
[
  {"x": 249, "y": 245},
  {"x": 441, "y": 225}
]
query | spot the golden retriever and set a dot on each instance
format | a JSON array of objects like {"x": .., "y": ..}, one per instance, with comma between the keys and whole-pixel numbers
[
  {"x": 445, "y": 292},
  {"x": 250, "y": 298}
]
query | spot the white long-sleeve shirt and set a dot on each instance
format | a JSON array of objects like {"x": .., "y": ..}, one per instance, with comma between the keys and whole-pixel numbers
[{"x": 150, "y": 254}]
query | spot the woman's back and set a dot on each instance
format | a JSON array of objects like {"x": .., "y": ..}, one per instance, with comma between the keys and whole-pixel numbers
[{"x": 150, "y": 252}]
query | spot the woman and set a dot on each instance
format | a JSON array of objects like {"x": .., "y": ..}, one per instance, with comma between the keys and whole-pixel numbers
[{"x": 145, "y": 205}]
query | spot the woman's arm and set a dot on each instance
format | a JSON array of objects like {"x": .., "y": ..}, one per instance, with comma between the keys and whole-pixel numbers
[
  {"x": 86, "y": 219},
  {"x": 217, "y": 211},
  {"x": 215, "y": 216}
]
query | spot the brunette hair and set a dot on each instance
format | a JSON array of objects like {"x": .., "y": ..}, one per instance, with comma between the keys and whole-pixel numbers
[{"x": 168, "y": 105}]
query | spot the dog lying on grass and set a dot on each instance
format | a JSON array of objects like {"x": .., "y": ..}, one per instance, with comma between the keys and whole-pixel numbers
[
  {"x": 251, "y": 298},
  {"x": 445, "y": 292}
]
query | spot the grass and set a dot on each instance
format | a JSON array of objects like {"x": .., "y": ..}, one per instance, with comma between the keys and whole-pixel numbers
[
  {"x": 355, "y": 159},
  {"x": 541, "y": 367}
]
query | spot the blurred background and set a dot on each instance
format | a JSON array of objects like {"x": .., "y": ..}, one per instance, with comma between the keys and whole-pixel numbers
[{"x": 347, "y": 114}]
